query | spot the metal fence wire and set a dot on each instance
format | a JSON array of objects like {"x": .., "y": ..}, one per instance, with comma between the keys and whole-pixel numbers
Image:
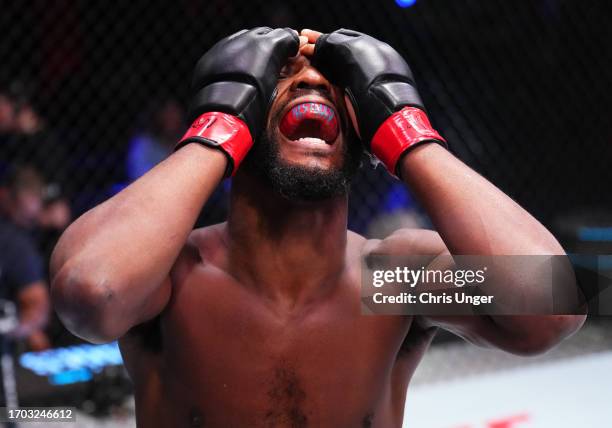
[{"x": 522, "y": 90}]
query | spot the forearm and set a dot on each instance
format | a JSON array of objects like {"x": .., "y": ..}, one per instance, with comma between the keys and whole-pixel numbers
[
  {"x": 119, "y": 253},
  {"x": 471, "y": 215},
  {"x": 31, "y": 320},
  {"x": 33, "y": 303}
]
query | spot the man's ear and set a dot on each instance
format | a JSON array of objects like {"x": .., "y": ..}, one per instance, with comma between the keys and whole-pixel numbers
[{"x": 351, "y": 112}]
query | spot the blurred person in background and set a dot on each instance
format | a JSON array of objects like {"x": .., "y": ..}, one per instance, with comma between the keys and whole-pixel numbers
[
  {"x": 54, "y": 217},
  {"x": 7, "y": 114},
  {"x": 22, "y": 273},
  {"x": 32, "y": 143},
  {"x": 161, "y": 126},
  {"x": 28, "y": 121},
  {"x": 155, "y": 141},
  {"x": 7, "y": 125},
  {"x": 25, "y": 137}
]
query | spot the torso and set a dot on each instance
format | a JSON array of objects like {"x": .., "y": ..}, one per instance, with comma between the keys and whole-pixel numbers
[{"x": 221, "y": 356}]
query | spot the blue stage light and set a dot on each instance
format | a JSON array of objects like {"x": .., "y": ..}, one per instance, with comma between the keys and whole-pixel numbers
[
  {"x": 71, "y": 376},
  {"x": 73, "y": 358},
  {"x": 405, "y": 3}
]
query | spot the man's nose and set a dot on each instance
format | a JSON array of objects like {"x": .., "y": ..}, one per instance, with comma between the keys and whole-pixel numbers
[{"x": 310, "y": 78}]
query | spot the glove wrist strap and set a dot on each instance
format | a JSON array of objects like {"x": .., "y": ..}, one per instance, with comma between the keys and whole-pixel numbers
[
  {"x": 402, "y": 131},
  {"x": 221, "y": 131}
]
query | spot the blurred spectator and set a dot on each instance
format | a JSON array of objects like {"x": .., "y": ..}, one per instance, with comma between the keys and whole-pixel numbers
[
  {"x": 7, "y": 124},
  {"x": 398, "y": 210},
  {"x": 7, "y": 115},
  {"x": 21, "y": 196},
  {"x": 55, "y": 214},
  {"x": 54, "y": 217},
  {"x": 156, "y": 139},
  {"x": 24, "y": 138},
  {"x": 162, "y": 126},
  {"x": 21, "y": 267},
  {"x": 27, "y": 121},
  {"x": 30, "y": 140}
]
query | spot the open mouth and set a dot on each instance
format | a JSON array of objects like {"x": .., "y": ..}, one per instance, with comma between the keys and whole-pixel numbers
[{"x": 310, "y": 122}]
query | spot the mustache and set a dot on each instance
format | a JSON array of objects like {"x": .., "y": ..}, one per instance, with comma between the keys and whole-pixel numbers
[{"x": 323, "y": 93}]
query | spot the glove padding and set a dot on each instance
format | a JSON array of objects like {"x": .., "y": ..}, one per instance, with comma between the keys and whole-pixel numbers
[
  {"x": 233, "y": 84},
  {"x": 238, "y": 75},
  {"x": 378, "y": 82}
]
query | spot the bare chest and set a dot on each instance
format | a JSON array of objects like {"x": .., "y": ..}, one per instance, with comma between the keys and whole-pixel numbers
[{"x": 233, "y": 360}]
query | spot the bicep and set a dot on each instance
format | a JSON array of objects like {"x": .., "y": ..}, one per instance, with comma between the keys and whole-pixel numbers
[
  {"x": 409, "y": 242},
  {"x": 156, "y": 302}
]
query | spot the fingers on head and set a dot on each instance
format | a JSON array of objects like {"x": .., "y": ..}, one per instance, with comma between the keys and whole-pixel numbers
[
  {"x": 312, "y": 35},
  {"x": 307, "y": 49}
]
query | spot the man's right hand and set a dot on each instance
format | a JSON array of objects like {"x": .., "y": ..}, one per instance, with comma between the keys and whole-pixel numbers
[{"x": 233, "y": 84}]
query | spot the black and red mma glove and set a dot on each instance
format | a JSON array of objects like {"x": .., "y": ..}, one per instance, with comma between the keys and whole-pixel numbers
[
  {"x": 379, "y": 83},
  {"x": 232, "y": 86}
]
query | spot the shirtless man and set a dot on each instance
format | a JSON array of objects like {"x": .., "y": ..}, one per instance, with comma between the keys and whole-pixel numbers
[{"x": 257, "y": 322}]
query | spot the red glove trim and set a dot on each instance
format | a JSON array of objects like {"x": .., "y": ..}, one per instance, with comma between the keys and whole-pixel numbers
[
  {"x": 222, "y": 131},
  {"x": 401, "y": 131}
]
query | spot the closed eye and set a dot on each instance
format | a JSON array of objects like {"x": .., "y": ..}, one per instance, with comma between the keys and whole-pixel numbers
[
  {"x": 293, "y": 67},
  {"x": 285, "y": 72}
]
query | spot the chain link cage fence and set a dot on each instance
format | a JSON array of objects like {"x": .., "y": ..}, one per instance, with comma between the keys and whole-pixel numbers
[
  {"x": 522, "y": 90},
  {"x": 92, "y": 94}
]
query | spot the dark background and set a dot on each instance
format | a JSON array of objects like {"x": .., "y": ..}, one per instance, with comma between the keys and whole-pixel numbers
[{"x": 522, "y": 90}]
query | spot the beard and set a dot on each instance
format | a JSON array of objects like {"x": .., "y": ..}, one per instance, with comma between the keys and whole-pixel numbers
[{"x": 298, "y": 182}]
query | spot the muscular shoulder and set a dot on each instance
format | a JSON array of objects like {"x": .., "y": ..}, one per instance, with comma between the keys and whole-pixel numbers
[
  {"x": 209, "y": 241},
  {"x": 204, "y": 245},
  {"x": 405, "y": 242}
]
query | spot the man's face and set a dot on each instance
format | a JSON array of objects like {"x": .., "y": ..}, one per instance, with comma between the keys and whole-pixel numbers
[
  {"x": 27, "y": 206},
  {"x": 307, "y": 151}
]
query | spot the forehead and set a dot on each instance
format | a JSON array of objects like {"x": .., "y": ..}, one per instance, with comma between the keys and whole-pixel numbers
[{"x": 300, "y": 67}]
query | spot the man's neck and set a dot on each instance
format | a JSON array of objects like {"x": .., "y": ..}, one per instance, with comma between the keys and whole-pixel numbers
[{"x": 290, "y": 252}]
